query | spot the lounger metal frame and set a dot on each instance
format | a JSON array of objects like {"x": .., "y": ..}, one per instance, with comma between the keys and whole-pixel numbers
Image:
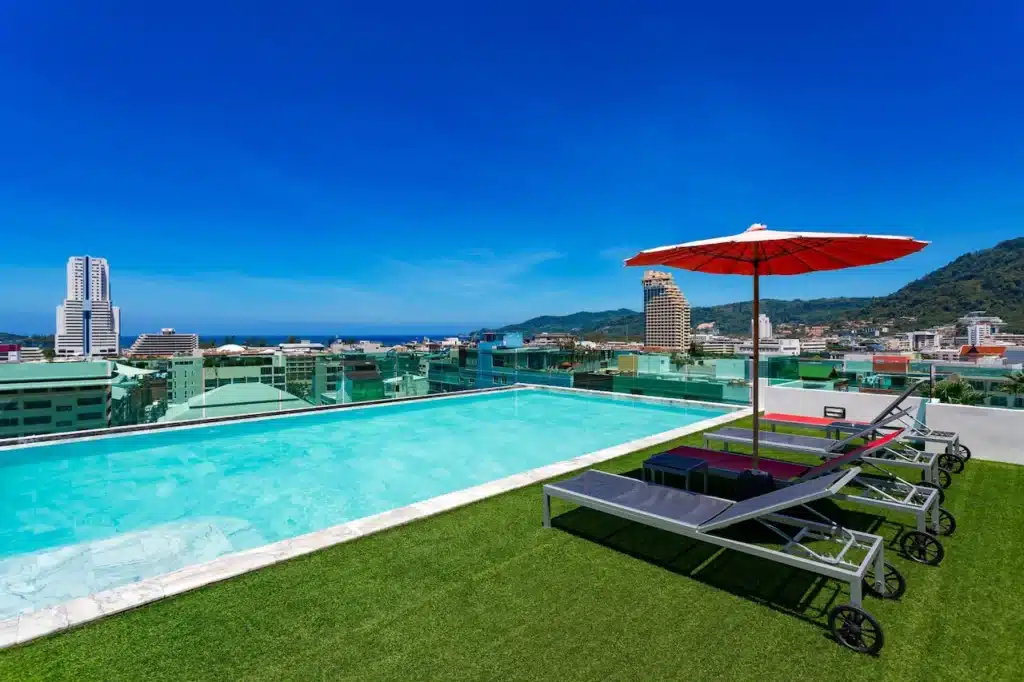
[
  {"x": 894, "y": 453},
  {"x": 915, "y": 428},
  {"x": 885, "y": 490},
  {"x": 838, "y": 566}
]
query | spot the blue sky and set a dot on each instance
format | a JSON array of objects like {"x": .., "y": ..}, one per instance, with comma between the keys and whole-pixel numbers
[{"x": 329, "y": 166}]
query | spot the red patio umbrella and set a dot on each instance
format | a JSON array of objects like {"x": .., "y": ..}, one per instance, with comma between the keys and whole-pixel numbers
[{"x": 760, "y": 251}]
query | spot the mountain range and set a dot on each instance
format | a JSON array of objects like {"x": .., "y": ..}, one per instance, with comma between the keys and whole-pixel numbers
[{"x": 991, "y": 280}]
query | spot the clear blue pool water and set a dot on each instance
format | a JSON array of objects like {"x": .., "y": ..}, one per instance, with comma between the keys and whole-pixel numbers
[{"x": 81, "y": 517}]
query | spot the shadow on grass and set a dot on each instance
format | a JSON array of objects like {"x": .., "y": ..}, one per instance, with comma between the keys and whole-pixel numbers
[
  {"x": 795, "y": 592},
  {"x": 783, "y": 588},
  {"x": 890, "y": 530}
]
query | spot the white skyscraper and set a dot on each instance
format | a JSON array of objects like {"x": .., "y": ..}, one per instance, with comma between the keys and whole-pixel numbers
[
  {"x": 764, "y": 326},
  {"x": 88, "y": 324}
]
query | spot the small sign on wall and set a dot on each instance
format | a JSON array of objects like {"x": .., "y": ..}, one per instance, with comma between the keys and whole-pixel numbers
[{"x": 835, "y": 412}]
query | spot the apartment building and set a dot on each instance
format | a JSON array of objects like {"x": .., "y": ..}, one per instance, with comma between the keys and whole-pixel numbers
[
  {"x": 44, "y": 397},
  {"x": 666, "y": 312},
  {"x": 88, "y": 323},
  {"x": 191, "y": 376},
  {"x": 813, "y": 345},
  {"x": 167, "y": 342},
  {"x": 771, "y": 347}
]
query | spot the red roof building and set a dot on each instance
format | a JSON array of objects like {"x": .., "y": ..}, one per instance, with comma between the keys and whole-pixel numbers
[
  {"x": 890, "y": 364},
  {"x": 968, "y": 352}
]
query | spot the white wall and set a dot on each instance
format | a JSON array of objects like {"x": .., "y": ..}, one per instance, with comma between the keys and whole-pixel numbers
[
  {"x": 811, "y": 403},
  {"x": 991, "y": 433}
]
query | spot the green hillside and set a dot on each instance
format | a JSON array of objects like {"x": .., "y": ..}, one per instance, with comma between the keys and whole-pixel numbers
[
  {"x": 30, "y": 340},
  {"x": 732, "y": 318},
  {"x": 581, "y": 321},
  {"x": 990, "y": 280}
]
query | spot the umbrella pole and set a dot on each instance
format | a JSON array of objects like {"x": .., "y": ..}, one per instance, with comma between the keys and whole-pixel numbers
[{"x": 756, "y": 384}]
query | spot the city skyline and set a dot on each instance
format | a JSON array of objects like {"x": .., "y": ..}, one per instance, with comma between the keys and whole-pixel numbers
[
  {"x": 149, "y": 298},
  {"x": 362, "y": 166}
]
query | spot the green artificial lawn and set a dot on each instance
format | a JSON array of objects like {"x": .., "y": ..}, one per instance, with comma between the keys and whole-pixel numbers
[{"x": 485, "y": 593}]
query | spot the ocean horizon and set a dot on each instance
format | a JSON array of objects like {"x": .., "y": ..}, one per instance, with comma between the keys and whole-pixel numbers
[{"x": 274, "y": 339}]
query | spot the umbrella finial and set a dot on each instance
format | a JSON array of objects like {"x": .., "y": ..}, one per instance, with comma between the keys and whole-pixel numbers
[{"x": 757, "y": 226}]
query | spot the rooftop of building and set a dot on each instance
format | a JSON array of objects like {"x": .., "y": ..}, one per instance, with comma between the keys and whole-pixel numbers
[
  {"x": 362, "y": 374},
  {"x": 18, "y": 372},
  {"x": 129, "y": 371},
  {"x": 166, "y": 332},
  {"x": 301, "y": 345},
  {"x": 983, "y": 350},
  {"x": 485, "y": 592},
  {"x": 234, "y": 400},
  {"x": 524, "y": 350},
  {"x": 404, "y": 377}
]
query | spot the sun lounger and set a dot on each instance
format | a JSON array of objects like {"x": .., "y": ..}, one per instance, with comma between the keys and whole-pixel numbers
[
  {"x": 894, "y": 452},
  {"x": 884, "y": 491},
  {"x": 859, "y": 561},
  {"x": 890, "y": 417}
]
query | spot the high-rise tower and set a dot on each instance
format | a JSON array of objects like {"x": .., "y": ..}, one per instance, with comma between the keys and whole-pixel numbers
[
  {"x": 666, "y": 312},
  {"x": 88, "y": 324}
]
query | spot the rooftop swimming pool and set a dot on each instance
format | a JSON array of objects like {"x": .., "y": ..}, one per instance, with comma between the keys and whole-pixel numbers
[{"x": 84, "y": 516}]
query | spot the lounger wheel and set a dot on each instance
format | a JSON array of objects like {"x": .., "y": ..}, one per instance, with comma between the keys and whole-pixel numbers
[
  {"x": 945, "y": 478},
  {"x": 856, "y": 629},
  {"x": 963, "y": 451},
  {"x": 895, "y": 583},
  {"x": 947, "y": 522},
  {"x": 924, "y": 548},
  {"x": 933, "y": 486},
  {"x": 954, "y": 463}
]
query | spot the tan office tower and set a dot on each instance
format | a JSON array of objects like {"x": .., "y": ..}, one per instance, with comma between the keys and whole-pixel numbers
[{"x": 666, "y": 312}]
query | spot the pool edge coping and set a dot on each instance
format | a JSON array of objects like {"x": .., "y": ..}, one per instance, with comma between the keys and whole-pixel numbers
[
  {"x": 62, "y": 437},
  {"x": 82, "y": 610}
]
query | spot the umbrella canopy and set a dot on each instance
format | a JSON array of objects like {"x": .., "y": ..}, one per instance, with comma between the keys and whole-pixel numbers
[
  {"x": 760, "y": 251},
  {"x": 774, "y": 252}
]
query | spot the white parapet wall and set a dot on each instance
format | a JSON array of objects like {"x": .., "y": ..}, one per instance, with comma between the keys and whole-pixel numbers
[
  {"x": 991, "y": 433},
  {"x": 812, "y": 403}
]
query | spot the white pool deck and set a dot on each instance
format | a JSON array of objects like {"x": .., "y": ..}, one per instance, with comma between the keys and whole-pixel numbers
[{"x": 79, "y": 611}]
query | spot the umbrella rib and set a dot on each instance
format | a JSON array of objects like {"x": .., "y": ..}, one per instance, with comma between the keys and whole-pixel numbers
[
  {"x": 796, "y": 254},
  {"x": 711, "y": 258},
  {"x": 817, "y": 250},
  {"x": 793, "y": 253},
  {"x": 857, "y": 246},
  {"x": 840, "y": 260}
]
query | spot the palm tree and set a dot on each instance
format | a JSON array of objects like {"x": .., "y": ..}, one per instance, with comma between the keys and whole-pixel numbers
[
  {"x": 957, "y": 391},
  {"x": 1015, "y": 385}
]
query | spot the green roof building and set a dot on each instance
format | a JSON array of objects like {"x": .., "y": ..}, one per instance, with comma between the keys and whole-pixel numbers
[
  {"x": 50, "y": 397},
  {"x": 234, "y": 400}
]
